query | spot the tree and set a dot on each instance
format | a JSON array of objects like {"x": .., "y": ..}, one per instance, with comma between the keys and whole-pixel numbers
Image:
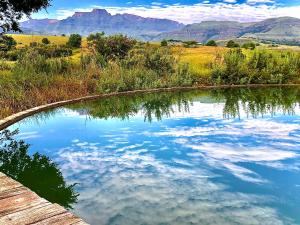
[
  {"x": 232, "y": 44},
  {"x": 7, "y": 43},
  {"x": 11, "y": 11},
  {"x": 74, "y": 41},
  {"x": 211, "y": 43},
  {"x": 164, "y": 43},
  {"x": 45, "y": 41}
]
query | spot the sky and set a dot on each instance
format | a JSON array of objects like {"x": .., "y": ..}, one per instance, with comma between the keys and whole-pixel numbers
[{"x": 184, "y": 11}]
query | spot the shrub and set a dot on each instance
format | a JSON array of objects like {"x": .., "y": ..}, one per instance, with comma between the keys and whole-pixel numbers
[
  {"x": 45, "y": 41},
  {"x": 211, "y": 43},
  {"x": 111, "y": 47},
  {"x": 164, "y": 43},
  {"x": 249, "y": 45},
  {"x": 232, "y": 44},
  {"x": 74, "y": 41},
  {"x": 7, "y": 43},
  {"x": 159, "y": 60},
  {"x": 190, "y": 44}
]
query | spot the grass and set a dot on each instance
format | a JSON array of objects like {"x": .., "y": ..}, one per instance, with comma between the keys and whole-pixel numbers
[
  {"x": 199, "y": 59},
  {"x": 24, "y": 39}
]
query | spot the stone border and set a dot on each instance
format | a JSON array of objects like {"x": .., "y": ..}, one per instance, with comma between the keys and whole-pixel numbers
[{"x": 10, "y": 120}]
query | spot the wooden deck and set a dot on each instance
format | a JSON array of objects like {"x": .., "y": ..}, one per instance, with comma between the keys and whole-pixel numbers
[{"x": 21, "y": 206}]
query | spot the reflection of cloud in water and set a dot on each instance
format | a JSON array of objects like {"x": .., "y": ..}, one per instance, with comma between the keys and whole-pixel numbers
[
  {"x": 28, "y": 135},
  {"x": 130, "y": 186},
  {"x": 225, "y": 145}
]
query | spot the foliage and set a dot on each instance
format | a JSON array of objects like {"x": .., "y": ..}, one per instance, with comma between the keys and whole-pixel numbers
[
  {"x": 232, "y": 44},
  {"x": 74, "y": 41},
  {"x": 190, "y": 44},
  {"x": 11, "y": 11},
  {"x": 261, "y": 67},
  {"x": 164, "y": 43},
  {"x": 110, "y": 47},
  {"x": 7, "y": 43},
  {"x": 32, "y": 64},
  {"x": 249, "y": 45},
  {"x": 211, "y": 43},
  {"x": 37, "y": 172},
  {"x": 45, "y": 41}
]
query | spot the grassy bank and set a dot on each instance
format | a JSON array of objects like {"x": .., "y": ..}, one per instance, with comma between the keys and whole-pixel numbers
[{"x": 41, "y": 74}]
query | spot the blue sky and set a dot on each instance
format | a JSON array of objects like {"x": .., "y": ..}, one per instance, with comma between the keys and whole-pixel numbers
[{"x": 185, "y": 11}]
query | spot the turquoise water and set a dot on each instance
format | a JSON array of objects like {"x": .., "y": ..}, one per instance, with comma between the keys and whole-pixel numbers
[{"x": 201, "y": 157}]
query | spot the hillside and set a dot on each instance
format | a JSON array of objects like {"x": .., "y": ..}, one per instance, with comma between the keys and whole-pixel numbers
[
  {"x": 206, "y": 30},
  {"x": 100, "y": 20},
  {"x": 275, "y": 29}
]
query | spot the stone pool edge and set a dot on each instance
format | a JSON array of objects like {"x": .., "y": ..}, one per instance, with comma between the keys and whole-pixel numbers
[{"x": 10, "y": 120}]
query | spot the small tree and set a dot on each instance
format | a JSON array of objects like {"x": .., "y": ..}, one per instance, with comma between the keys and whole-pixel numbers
[
  {"x": 45, "y": 41},
  {"x": 232, "y": 44},
  {"x": 74, "y": 41},
  {"x": 164, "y": 43},
  {"x": 7, "y": 43},
  {"x": 211, "y": 43}
]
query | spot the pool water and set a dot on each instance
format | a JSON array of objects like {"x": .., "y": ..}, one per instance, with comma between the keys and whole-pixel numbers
[{"x": 228, "y": 156}]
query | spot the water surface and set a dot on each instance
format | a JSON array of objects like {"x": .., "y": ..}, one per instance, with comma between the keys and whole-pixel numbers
[{"x": 228, "y": 156}]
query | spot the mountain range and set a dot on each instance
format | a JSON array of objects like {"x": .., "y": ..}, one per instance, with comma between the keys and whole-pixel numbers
[{"x": 283, "y": 29}]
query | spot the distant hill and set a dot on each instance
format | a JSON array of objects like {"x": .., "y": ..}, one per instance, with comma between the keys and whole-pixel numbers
[
  {"x": 205, "y": 31},
  {"x": 99, "y": 20},
  {"x": 276, "y": 29},
  {"x": 283, "y": 29}
]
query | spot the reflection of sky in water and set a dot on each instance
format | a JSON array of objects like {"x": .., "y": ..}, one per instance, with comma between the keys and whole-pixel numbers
[{"x": 193, "y": 168}]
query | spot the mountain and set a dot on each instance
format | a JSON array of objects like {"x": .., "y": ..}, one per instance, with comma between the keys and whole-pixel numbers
[
  {"x": 276, "y": 29},
  {"x": 282, "y": 29},
  {"x": 100, "y": 20}
]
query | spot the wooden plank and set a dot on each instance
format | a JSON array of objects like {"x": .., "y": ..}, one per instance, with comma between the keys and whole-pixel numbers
[
  {"x": 33, "y": 215},
  {"x": 12, "y": 192},
  {"x": 65, "y": 218},
  {"x": 21, "y": 206},
  {"x": 7, "y": 183},
  {"x": 19, "y": 202}
]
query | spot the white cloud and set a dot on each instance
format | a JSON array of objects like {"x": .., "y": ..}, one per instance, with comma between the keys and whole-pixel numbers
[
  {"x": 253, "y": 2},
  {"x": 251, "y": 11}
]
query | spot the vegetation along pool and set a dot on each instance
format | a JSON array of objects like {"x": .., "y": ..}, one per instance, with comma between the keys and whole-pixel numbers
[{"x": 227, "y": 156}]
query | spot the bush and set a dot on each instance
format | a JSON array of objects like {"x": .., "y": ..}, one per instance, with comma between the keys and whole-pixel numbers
[
  {"x": 211, "y": 43},
  {"x": 261, "y": 67},
  {"x": 190, "y": 44},
  {"x": 74, "y": 41},
  {"x": 249, "y": 45},
  {"x": 45, "y": 41},
  {"x": 232, "y": 44},
  {"x": 7, "y": 43},
  {"x": 164, "y": 43},
  {"x": 111, "y": 47},
  {"x": 159, "y": 60}
]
